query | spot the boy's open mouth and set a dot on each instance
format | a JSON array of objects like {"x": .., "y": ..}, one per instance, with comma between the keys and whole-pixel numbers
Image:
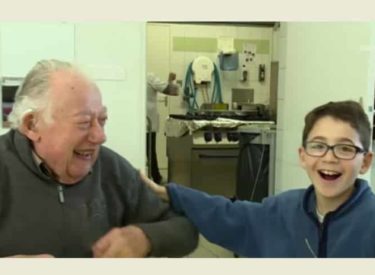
[{"x": 329, "y": 174}]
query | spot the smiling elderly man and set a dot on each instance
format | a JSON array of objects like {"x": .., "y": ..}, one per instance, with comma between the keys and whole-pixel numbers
[{"x": 62, "y": 193}]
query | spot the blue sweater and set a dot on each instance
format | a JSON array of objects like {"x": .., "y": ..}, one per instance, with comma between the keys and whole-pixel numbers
[{"x": 284, "y": 225}]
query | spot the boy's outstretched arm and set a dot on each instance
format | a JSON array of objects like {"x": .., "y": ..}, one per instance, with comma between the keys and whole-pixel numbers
[{"x": 237, "y": 226}]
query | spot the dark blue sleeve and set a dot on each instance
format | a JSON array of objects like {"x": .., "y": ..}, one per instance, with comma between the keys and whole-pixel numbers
[{"x": 238, "y": 226}]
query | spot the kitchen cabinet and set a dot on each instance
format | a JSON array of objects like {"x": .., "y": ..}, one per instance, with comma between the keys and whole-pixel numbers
[{"x": 23, "y": 44}]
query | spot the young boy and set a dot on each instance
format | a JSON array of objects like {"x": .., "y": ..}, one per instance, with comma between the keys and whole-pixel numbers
[{"x": 334, "y": 217}]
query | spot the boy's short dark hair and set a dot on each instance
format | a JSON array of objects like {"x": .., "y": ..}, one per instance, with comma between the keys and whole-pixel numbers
[{"x": 348, "y": 111}]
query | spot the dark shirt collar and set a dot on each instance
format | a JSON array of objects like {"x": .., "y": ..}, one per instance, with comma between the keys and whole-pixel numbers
[{"x": 44, "y": 168}]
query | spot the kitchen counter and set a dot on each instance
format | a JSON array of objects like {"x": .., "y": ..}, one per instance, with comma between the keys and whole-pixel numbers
[{"x": 179, "y": 127}]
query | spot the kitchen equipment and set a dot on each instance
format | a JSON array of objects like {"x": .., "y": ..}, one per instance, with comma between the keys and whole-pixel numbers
[
  {"x": 241, "y": 96},
  {"x": 259, "y": 113},
  {"x": 202, "y": 84},
  {"x": 256, "y": 163},
  {"x": 214, "y": 106},
  {"x": 9, "y": 87},
  {"x": 205, "y": 160},
  {"x": 228, "y": 62},
  {"x": 209, "y": 160}
]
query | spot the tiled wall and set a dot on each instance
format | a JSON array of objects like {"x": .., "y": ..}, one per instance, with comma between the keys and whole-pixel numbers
[{"x": 188, "y": 41}]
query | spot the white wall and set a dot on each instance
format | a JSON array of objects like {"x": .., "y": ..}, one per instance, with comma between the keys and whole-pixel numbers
[
  {"x": 22, "y": 44},
  {"x": 319, "y": 62},
  {"x": 114, "y": 56},
  {"x": 158, "y": 61}
]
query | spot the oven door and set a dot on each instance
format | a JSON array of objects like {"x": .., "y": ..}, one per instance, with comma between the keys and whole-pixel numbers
[{"x": 213, "y": 170}]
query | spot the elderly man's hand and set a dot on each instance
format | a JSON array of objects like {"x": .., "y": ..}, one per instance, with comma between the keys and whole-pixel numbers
[
  {"x": 161, "y": 191},
  {"x": 126, "y": 242}
]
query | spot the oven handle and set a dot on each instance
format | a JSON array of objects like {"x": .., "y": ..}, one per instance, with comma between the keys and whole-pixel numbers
[{"x": 205, "y": 156}]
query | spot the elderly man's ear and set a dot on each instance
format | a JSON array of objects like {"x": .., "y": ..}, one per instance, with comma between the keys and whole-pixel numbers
[{"x": 28, "y": 127}]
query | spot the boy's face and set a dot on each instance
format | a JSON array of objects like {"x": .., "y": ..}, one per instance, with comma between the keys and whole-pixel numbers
[{"x": 334, "y": 178}]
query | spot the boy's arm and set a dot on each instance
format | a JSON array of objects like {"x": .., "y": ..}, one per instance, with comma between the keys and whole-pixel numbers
[
  {"x": 236, "y": 226},
  {"x": 170, "y": 234}
]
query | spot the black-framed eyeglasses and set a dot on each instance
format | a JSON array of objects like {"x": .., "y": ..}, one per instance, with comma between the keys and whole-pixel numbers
[{"x": 340, "y": 151}]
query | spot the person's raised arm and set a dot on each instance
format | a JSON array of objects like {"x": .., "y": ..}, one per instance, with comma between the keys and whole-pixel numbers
[{"x": 172, "y": 88}]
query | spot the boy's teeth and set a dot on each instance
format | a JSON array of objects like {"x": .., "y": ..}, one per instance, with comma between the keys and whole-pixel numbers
[{"x": 329, "y": 173}]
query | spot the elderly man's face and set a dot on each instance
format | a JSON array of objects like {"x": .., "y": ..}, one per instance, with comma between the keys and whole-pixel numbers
[{"x": 70, "y": 143}]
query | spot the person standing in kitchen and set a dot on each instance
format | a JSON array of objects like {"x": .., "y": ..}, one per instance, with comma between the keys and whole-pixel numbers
[{"x": 154, "y": 86}]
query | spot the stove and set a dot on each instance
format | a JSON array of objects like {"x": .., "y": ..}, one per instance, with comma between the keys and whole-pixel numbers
[
  {"x": 215, "y": 137},
  {"x": 259, "y": 114}
]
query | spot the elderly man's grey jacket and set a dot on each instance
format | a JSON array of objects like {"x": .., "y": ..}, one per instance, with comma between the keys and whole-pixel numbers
[{"x": 39, "y": 215}]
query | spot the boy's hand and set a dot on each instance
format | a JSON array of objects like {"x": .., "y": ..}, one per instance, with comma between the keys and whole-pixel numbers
[{"x": 161, "y": 191}]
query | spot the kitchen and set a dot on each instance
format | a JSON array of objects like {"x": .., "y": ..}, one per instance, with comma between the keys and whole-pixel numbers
[
  {"x": 118, "y": 63},
  {"x": 296, "y": 78},
  {"x": 245, "y": 83}
]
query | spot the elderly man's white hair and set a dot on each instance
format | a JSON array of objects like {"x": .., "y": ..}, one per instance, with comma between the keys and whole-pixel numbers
[{"x": 31, "y": 96}]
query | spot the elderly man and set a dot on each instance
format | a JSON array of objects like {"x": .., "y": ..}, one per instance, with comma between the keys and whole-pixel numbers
[{"x": 62, "y": 193}]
